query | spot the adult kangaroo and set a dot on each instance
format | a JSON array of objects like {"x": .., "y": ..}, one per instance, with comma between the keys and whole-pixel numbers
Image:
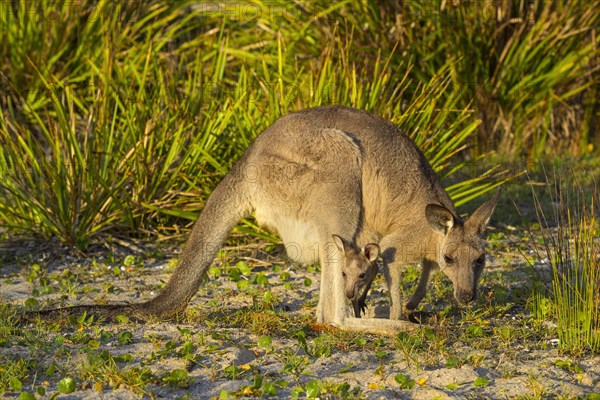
[{"x": 325, "y": 171}]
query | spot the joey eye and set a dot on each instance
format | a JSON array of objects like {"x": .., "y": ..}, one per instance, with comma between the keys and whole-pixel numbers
[
  {"x": 480, "y": 260},
  {"x": 448, "y": 260},
  {"x": 362, "y": 276}
]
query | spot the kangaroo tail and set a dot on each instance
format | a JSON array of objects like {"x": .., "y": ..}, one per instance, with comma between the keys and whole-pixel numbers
[
  {"x": 228, "y": 203},
  {"x": 107, "y": 311}
]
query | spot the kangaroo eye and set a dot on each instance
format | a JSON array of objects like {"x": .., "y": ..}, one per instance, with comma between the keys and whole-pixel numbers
[
  {"x": 448, "y": 260},
  {"x": 480, "y": 260},
  {"x": 344, "y": 274},
  {"x": 362, "y": 276}
]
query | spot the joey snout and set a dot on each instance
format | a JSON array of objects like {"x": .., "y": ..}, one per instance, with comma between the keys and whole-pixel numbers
[{"x": 353, "y": 285}]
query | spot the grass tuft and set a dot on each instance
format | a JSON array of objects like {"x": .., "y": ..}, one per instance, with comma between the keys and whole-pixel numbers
[{"x": 571, "y": 256}]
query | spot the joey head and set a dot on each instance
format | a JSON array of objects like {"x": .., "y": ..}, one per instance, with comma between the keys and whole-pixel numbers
[{"x": 359, "y": 268}]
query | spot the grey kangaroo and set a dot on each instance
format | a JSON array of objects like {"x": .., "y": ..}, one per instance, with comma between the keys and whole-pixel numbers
[
  {"x": 325, "y": 171},
  {"x": 358, "y": 270}
]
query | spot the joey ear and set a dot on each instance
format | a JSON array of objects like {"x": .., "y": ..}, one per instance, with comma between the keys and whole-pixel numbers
[
  {"x": 440, "y": 218},
  {"x": 341, "y": 243},
  {"x": 480, "y": 218},
  {"x": 371, "y": 251}
]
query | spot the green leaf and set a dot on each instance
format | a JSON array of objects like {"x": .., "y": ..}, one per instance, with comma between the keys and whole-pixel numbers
[
  {"x": 41, "y": 391},
  {"x": 129, "y": 261},
  {"x": 125, "y": 338},
  {"x": 452, "y": 362},
  {"x": 261, "y": 279},
  {"x": 313, "y": 388},
  {"x": 284, "y": 276},
  {"x": 475, "y": 331},
  {"x": 178, "y": 377},
  {"x": 258, "y": 381},
  {"x": 269, "y": 389},
  {"x": 569, "y": 366},
  {"x": 481, "y": 382},
  {"x": 31, "y": 303},
  {"x": 265, "y": 341},
  {"x": 66, "y": 385},
  {"x": 15, "y": 384},
  {"x": 234, "y": 274},
  {"x": 124, "y": 358},
  {"x": 404, "y": 381},
  {"x": 268, "y": 297},
  {"x": 244, "y": 268},
  {"x": 346, "y": 368},
  {"x": 186, "y": 349},
  {"x": 50, "y": 370},
  {"x": 296, "y": 391},
  {"x": 26, "y": 396}
]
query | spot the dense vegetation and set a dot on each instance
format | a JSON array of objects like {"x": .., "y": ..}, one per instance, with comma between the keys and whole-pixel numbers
[{"x": 126, "y": 115}]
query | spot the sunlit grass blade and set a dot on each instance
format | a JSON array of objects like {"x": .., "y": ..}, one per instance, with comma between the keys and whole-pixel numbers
[{"x": 569, "y": 232}]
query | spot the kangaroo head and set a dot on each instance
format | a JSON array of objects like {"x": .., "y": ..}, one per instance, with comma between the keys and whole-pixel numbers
[
  {"x": 358, "y": 267},
  {"x": 461, "y": 250}
]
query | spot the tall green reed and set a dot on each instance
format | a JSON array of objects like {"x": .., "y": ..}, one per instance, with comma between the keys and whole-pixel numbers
[
  {"x": 571, "y": 251},
  {"x": 131, "y": 125}
]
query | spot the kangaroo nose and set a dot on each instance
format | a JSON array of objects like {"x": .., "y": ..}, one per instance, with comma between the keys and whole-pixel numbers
[{"x": 350, "y": 293}]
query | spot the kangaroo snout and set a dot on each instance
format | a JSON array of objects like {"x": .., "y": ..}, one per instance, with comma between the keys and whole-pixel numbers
[
  {"x": 350, "y": 293},
  {"x": 353, "y": 290},
  {"x": 465, "y": 297}
]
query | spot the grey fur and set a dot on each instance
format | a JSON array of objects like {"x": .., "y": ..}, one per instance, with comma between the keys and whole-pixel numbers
[
  {"x": 324, "y": 171},
  {"x": 359, "y": 268}
]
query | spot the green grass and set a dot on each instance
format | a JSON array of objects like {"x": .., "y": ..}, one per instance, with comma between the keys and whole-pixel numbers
[
  {"x": 571, "y": 251},
  {"x": 227, "y": 318},
  {"x": 130, "y": 126},
  {"x": 130, "y": 132}
]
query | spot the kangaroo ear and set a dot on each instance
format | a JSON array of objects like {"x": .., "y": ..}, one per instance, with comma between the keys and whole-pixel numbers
[
  {"x": 480, "y": 218},
  {"x": 371, "y": 251},
  {"x": 440, "y": 218},
  {"x": 341, "y": 243}
]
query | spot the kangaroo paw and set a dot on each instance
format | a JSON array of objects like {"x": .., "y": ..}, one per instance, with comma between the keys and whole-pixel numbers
[
  {"x": 360, "y": 308},
  {"x": 362, "y": 305}
]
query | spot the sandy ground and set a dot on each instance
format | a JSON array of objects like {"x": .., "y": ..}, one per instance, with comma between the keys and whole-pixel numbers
[{"x": 527, "y": 370}]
